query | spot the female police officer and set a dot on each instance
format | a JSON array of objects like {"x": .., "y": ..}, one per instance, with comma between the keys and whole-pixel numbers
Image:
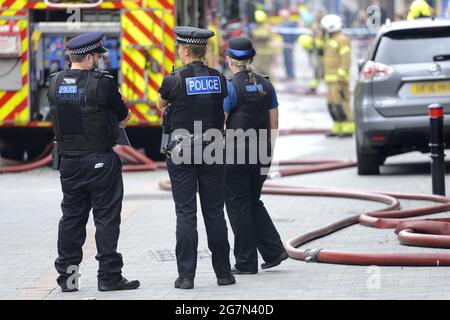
[
  {"x": 251, "y": 105},
  {"x": 195, "y": 94}
]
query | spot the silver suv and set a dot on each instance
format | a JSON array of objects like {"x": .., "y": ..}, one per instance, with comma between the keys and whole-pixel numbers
[{"x": 407, "y": 69}]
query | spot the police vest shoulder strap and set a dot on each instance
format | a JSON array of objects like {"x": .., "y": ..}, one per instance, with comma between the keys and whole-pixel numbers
[
  {"x": 239, "y": 91},
  {"x": 177, "y": 75},
  {"x": 93, "y": 81},
  {"x": 54, "y": 80}
]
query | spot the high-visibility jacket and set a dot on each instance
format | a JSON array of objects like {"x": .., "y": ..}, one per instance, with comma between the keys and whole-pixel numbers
[
  {"x": 319, "y": 39},
  {"x": 262, "y": 37},
  {"x": 337, "y": 58}
]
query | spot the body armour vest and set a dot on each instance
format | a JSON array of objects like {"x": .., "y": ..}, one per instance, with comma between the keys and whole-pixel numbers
[
  {"x": 79, "y": 123},
  {"x": 251, "y": 117},
  {"x": 200, "y": 98},
  {"x": 251, "y": 111}
]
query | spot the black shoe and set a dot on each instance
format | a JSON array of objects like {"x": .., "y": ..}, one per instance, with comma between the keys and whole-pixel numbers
[
  {"x": 66, "y": 289},
  {"x": 276, "y": 262},
  {"x": 226, "y": 281},
  {"x": 235, "y": 270},
  {"x": 182, "y": 283},
  {"x": 123, "y": 284}
]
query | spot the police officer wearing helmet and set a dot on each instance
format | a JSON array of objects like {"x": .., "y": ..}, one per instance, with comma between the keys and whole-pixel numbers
[
  {"x": 195, "y": 94},
  {"x": 86, "y": 109},
  {"x": 251, "y": 104}
]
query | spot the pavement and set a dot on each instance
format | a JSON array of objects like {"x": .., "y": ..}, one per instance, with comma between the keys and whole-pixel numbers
[{"x": 29, "y": 208}]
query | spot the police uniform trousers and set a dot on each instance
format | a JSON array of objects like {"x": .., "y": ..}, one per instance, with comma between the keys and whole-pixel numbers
[
  {"x": 91, "y": 181},
  {"x": 252, "y": 226},
  {"x": 186, "y": 179},
  {"x": 338, "y": 97}
]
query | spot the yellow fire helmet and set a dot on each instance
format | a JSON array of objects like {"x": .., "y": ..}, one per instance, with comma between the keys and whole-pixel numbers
[
  {"x": 419, "y": 9},
  {"x": 306, "y": 41},
  {"x": 260, "y": 16}
]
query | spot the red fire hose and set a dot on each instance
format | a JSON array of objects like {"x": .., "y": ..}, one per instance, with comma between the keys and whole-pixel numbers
[
  {"x": 27, "y": 166},
  {"x": 428, "y": 233},
  {"x": 413, "y": 232},
  {"x": 139, "y": 160},
  {"x": 42, "y": 160}
]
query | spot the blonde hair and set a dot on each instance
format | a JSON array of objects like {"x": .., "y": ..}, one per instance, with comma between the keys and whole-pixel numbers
[{"x": 247, "y": 65}]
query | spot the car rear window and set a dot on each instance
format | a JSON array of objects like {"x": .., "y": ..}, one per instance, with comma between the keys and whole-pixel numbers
[{"x": 413, "y": 46}]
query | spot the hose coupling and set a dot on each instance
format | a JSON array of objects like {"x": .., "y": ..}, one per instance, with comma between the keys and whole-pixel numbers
[{"x": 312, "y": 255}]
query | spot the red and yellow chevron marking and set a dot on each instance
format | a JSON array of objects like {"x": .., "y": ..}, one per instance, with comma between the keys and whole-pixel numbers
[
  {"x": 25, "y": 4},
  {"x": 148, "y": 48},
  {"x": 148, "y": 55},
  {"x": 14, "y": 105}
]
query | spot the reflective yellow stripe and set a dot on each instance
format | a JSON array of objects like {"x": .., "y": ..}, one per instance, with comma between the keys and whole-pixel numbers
[
  {"x": 342, "y": 72},
  {"x": 344, "y": 50},
  {"x": 320, "y": 43},
  {"x": 331, "y": 78},
  {"x": 333, "y": 43}
]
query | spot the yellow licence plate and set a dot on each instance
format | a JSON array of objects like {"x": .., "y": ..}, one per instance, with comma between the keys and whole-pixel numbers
[{"x": 423, "y": 88}]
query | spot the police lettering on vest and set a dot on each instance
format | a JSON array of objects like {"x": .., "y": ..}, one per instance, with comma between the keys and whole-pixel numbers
[{"x": 203, "y": 85}]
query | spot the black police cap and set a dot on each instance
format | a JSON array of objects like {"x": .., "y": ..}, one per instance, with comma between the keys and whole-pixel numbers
[
  {"x": 86, "y": 43},
  {"x": 241, "y": 48},
  {"x": 190, "y": 35}
]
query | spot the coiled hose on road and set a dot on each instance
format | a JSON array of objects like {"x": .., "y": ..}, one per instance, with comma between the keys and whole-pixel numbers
[{"x": 413, "y": 232}]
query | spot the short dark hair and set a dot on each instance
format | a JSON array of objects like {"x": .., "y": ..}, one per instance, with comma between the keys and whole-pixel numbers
[
  {"x": 77, "y": 58},
  {"x": 196, "y": 50}
]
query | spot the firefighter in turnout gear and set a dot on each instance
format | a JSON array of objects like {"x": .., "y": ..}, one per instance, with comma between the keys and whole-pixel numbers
[
  {"x": 337, "y": 76},
  {"x": 262, "y": 39},
  {"x": 318, "y": 52},
  {"x": 195, "y": 94},
  {"x": 86, "y": 109}
]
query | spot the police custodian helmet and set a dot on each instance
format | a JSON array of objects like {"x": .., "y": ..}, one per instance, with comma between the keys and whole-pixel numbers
[
  {"x": 241, "y": 48},
  {"x": 86, "y": 43}
]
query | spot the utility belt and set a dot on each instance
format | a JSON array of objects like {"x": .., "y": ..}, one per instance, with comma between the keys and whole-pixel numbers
[
  {"x": 85, "y": 155},
  {"x": 175, "y": 143}
]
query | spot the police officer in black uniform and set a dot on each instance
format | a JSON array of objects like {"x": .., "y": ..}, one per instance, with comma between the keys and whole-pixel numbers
[
  {"x": 195, "y": 93},
  {"x": 251, "y": 105},
  {"x": 86, "y": 109}
]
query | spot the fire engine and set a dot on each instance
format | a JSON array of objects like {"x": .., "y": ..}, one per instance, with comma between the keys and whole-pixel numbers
[{"x": 140, "y": 39}]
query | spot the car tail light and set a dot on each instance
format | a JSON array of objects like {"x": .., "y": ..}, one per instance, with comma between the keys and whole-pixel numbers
[{"x": 374, "y": 71}]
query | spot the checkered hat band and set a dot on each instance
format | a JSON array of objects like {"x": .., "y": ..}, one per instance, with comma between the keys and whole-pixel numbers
[
  {"x": 192, "y": 41},
  {"x": 87, "y": 49}
]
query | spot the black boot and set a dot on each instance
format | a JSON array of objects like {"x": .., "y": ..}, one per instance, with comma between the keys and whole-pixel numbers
[
  {"x": 182, "y": 283},
  {"x": 276, "y": 262},
  {"x": 65, "y": 288},
  {"x": 226, "y": 281},
  {"x": 235, "y": 270},
  {"x": 123, "y": 284}
]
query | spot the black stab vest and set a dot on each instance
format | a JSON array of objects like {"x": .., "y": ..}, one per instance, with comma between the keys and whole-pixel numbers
[
  {"x": 199, "y": 98},
  {"x": 251, "y": 111},
  {"x": 79, "y": 123}
]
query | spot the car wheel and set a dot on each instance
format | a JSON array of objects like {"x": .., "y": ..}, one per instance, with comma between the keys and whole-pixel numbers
[{"x": 368, "y": 163}]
